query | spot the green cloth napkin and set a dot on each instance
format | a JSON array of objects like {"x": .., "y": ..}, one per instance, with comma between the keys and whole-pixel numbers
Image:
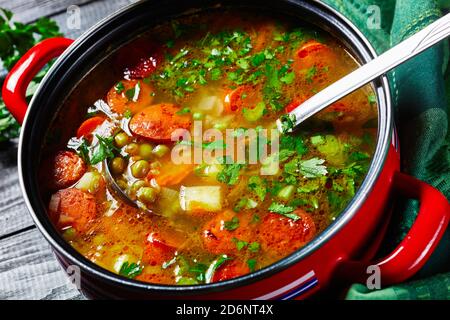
[{"x": 420, "y": 91}]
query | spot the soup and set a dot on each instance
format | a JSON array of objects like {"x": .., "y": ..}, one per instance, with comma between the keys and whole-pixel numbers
[{"x": 188, "y": 133}]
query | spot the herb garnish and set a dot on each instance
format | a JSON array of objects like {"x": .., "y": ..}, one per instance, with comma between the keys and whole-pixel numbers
[
  {"x": 130, "y": 270},
  {"x": 283, "y": 210}
]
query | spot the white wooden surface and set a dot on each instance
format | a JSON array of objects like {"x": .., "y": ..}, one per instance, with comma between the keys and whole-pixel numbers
[{"x": 28, "y": 268}]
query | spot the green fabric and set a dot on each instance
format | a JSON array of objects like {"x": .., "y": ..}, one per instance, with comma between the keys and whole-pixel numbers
[{"x": 420, "y": 91}]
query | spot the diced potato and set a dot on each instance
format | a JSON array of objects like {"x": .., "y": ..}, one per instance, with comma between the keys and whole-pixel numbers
[
  {"x": 201, "y": 198},
  {"x": 168, "y": 203},
  {"x": 90, "y": 182}
]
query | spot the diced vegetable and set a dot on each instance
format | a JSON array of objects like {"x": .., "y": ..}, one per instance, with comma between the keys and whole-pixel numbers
[
  {"x": 208, "y": 172},
  {"x": 211, "y": 105},
  {"x": 201, "y": 198},
  {"x": 130, "y": 270},
  {"x": 168, "y": 203},
  {"x": 286, "y": 193}
]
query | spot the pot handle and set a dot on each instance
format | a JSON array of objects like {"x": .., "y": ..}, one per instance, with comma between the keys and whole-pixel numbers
[
  {"x": 420, "y": 242},
  {"x": 17, "y": 81}
]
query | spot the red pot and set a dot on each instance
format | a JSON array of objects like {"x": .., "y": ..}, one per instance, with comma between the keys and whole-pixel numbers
[{"x": 341, "y": 254}]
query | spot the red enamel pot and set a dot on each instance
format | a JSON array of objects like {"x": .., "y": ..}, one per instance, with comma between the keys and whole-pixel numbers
[{"x": 341, "y": 254}]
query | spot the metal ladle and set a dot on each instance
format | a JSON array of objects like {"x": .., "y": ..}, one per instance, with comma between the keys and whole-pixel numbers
[
  {"x": 404, "y": 51},
  {"x": 434, "y": 33}
]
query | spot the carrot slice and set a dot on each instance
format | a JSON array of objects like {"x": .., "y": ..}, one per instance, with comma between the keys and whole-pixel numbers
[
  {"x": 88, "y": 126},
  {"x": 158, "y": 122},
  {"x": 173, "y": 174},
  {"x": 130, "y": 95}
]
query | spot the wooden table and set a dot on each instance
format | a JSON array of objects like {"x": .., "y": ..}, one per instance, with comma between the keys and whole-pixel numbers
[{"x": 28, "y": 268}]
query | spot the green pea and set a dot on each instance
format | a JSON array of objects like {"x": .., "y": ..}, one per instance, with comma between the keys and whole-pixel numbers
[
  {"x": 118, "y": 165},
  {"x": 121, "y": 139},
  {"x": 146, "y": 195},
  {"x": 138, "y": 185},
  {"x": 140, "y": 168},
  {"x": 132, "y": 149},
  {"x": 161, "y": 150},
  {"x": 145, "y": 151}
]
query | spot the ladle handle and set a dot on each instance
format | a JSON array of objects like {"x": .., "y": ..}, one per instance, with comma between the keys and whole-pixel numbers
[{"x": 437, "y": 31}]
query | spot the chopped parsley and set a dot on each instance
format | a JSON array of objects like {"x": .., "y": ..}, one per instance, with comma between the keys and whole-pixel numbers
[
  {"x": 256, "y": 185},
  {"x": 251, "y": 263},
  {"x": 183, "y": 111},
  {"x": 133, "y": 93},
  {"x": 254, "y": 247},
  {"x": 104, "y": 150},
  {"x": 230, "y": 173},
  {"x": 283, "y": 210},
  {"x": 232, "y": 224},
  {"x": 240, "y": 244},
  {"x": 310, "y": 74},
  {"x": 119, "y": 87},
  {"x": 311, "y": 168},
  {"x": 293, "y": 143},
  {"x": 127, "y": 114},
  {"x": 287, "y": 122}
]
